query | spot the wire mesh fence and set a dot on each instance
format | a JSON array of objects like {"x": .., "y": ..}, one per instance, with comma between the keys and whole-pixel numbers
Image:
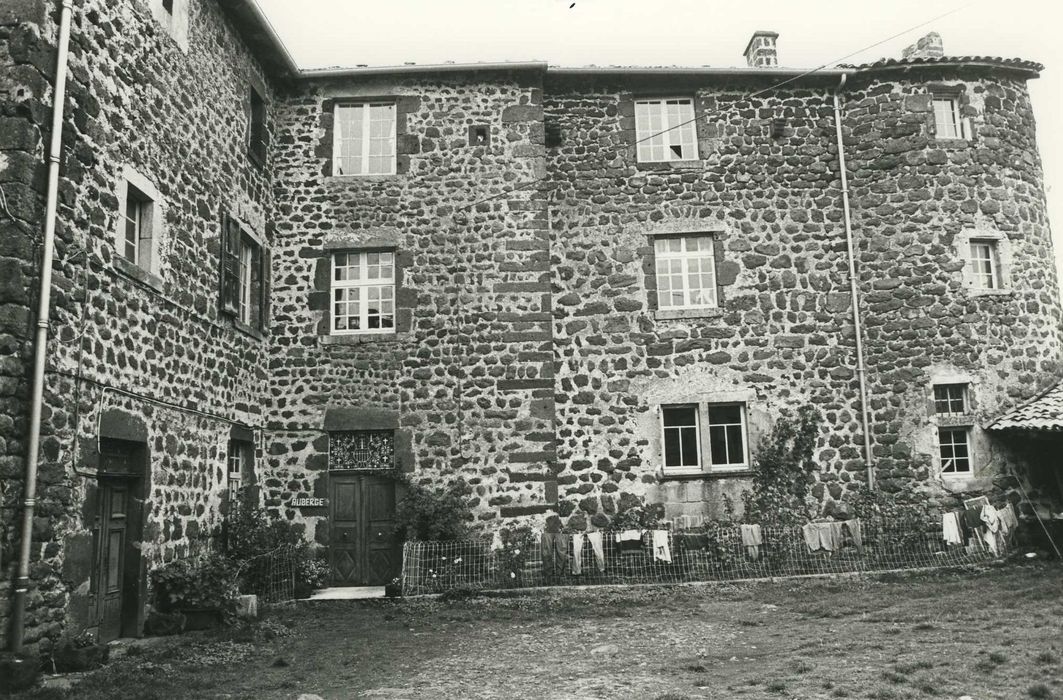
[
  {"x": 270, "y": 576},
  {"x": 719, "y": 552}
]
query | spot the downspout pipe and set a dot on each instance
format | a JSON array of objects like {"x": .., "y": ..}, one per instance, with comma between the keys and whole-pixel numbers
[
  {"x": 22, "y": 581},
  {"x": 854, "y": 293}
]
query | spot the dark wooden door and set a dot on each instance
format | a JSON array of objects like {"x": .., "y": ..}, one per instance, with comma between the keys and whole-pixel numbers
[
  {"x": 113, "y": 534},
  {"x": 362, "y": 542}
]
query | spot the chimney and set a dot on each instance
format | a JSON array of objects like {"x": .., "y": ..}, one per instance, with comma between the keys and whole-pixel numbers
[
  {"x": 929, "y": 46},
  {"x": 760, "y": 51}
]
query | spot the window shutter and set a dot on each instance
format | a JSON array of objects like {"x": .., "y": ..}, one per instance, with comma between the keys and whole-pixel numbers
[
  {"x": 256, "y": 291},
  {"x": 230, "y": 265}
]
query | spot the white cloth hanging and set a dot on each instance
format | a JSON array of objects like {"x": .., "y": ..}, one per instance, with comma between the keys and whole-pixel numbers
[{"x": 661, "y": 549}]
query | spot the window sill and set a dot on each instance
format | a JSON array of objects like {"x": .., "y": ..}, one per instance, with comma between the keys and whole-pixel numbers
[
  {"x": 137, "y": 273},
  {"x": 671, "y": 165},
  {"x": 975, "y": 292},
  {"x": 248, "y": 330},
  {"x": 360, "y": 338},
  {"x": 951, "y": 143},
  {"x": 743, "y": 473},
  {"x": 965, "y": 482},
  {"x": 668, "y": 314},
  {"x": 958, "y": 420},
  {"x": 347, "y": 179}
]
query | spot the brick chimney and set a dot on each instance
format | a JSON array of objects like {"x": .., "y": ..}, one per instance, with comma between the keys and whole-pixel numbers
[
  {"x": 929, "y": 46},
  {"x": 760, "y": 51}
]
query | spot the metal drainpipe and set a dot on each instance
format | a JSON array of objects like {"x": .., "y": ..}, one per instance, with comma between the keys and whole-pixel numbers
[
  {"x": 18, "y": 614},
  {"x": 861, "y": 368}
]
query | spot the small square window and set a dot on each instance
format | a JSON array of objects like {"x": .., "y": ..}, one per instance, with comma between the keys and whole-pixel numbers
[
  {"x": 686, "y": 272},
  {"x": 955, "y": 452},
  {"x": 948, "y": 124},
  {"x": 665, "y": 130},
  {"x": 682, "y": 439},
  {"x": 136, "y": 242},
  {"x": 950, "y": 399},
  {"x": 363, "y": 141},
  {"x": 985, "y": 265},
  {"x": 479, "y": 135}
]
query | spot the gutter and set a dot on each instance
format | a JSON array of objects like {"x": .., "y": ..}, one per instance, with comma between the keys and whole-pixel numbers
[
  {"x": 18, "y": 614},
  {"x": 861, "y": 367},
  {"x": 695, "y": 70},
  {"x": 421, "y": 68}
]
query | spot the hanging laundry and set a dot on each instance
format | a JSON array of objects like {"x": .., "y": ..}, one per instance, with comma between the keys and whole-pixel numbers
[
  {"x": 577, "y": 554},
  {"x": 950, "y": 528},
  {"x": 825, "y": 536},
  {"x": 595, "y": 538},
  {"x": 990, "y": 518},
  {"x": 555, "y": 551},
  {"x": 972, "y": 517},
  {"x": 1008, "y": 517},
  {"x": 752, "y": 538},
  {"x": 661, "y": 550},
  {"x": 856, "y": 533}
]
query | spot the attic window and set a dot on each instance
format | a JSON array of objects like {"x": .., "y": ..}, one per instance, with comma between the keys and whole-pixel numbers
[{"x": 479, "y": 135}]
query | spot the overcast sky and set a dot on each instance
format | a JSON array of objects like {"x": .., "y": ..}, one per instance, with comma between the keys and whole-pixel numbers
[{"x": 322, "y": 33}]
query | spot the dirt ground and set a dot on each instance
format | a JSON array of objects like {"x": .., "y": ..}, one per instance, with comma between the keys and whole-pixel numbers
[{"x": 984, "y": 634}]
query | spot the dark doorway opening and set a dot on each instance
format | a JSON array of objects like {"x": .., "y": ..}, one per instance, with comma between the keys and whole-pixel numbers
[{"x": 119, "y": 522}]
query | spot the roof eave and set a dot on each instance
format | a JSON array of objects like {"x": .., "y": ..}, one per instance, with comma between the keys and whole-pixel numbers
[
  {"x": 423, "y": 68},
  {"x": 694, "y": 71}
]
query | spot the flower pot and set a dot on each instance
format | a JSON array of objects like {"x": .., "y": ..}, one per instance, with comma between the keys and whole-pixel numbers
[
  {"x": 69, "y": 659},
  {"x": 202, "y": 619}
]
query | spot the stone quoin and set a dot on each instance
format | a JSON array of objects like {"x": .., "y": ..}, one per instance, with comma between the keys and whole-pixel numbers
[{"x": 578, "y": 290}]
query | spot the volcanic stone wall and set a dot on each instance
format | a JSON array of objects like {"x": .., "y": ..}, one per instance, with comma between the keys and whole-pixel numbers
[
  {"x": 918, "y": 198},
  {"x": 784, "y": 336},
  {"x": 466, "y": 378},
  {"x": 169, "y": 101}
]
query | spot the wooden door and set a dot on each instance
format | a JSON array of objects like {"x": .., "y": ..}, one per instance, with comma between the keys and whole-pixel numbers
[
  {"x": 363, "y": 547},
  {"x": 111, "y": 562}
]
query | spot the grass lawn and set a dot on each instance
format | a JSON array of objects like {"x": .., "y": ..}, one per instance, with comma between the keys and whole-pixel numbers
[{"x": 987, "y": 634}]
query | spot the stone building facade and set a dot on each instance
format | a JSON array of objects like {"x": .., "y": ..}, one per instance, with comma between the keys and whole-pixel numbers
[{"x": 575, "y": 290}]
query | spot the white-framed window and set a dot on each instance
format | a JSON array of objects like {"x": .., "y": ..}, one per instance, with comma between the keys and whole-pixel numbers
[
  {"x": 139, "y": 221},
  {"x": 950, "y": 399},
  {"x": 727, "y": 436},
  {"x": 985, "y": 265},
  {"x": 363, "y": 140},
  {"x": 682, "y": 438},
  {"x": 244, "y": 266},
  {"x": 137, "y": 225},
  {"x": 954, "y": 451},
  {"x": 363, "y": 292},
  {"x": 665, "y": 130},
  {"x": 241, "y": 465},
  {"x": 686, "y": 272},
  {"x": 948, "y": 124}
]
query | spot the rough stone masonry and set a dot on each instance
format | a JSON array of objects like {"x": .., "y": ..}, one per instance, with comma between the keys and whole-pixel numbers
[{"x": 530, "y": 353}]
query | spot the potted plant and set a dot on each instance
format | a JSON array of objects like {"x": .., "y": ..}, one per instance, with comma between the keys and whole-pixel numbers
[
  {"x": 203, "y": 590},
  {"x": 79, "y": 653}
]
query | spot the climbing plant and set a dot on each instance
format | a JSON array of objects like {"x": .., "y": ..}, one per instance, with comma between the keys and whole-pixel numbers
[{"x": 784, "y": 470}]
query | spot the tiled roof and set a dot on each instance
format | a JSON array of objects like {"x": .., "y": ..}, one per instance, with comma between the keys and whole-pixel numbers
[
  {"x": 1017, "y": 63},
  {"x": 1042, "y": 412}
]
